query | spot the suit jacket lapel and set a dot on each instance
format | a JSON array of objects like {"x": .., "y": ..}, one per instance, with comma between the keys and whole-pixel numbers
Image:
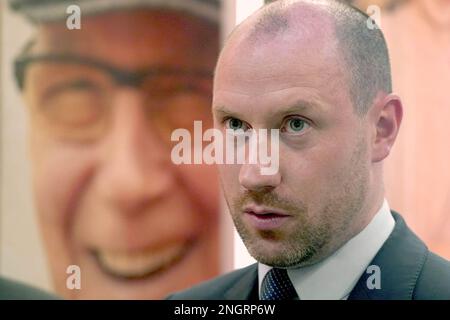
[
  {"x": 245, "y": 287},
  {"x": 400, "y": 261}
]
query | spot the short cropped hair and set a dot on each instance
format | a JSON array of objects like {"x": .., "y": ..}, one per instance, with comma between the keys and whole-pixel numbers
[{"x": 360, "y": 41}]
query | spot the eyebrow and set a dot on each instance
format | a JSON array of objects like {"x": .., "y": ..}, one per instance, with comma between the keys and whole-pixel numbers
[
  {"x": 223, "y": 110},
  {"x": 121, "y": 75},
  {"x": 298, "y": 106}
]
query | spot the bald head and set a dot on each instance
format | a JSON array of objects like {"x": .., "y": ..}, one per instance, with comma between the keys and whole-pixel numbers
[
  {"x": 361, "y": 51},
  {"x": 314, "y": 72}
]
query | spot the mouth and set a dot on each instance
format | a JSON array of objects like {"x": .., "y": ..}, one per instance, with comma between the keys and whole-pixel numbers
[
  {"x": 265, "y": 219},
  {"x": 140, "y": 264}
]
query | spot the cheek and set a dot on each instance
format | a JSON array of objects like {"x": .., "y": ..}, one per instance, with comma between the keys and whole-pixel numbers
[
  {"x": 201, "y": 182},
  {"x": 59, "y": 173},
  {"x": 314, "y": 174},
  {"x": 229, "y": 178}
]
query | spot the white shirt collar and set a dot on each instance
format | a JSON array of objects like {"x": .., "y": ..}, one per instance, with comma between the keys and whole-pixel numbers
[{"x": 335, "y": 277}]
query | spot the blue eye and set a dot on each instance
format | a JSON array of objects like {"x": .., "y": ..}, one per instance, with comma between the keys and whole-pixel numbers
[
  {"x": 294, "y": 125},
  {"x": 235, "y": 124}
]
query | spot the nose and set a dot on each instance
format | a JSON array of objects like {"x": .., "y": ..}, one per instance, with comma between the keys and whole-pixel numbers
[
  {"x": 135, "y": 171},
  {"x": 250, "y": 178}
]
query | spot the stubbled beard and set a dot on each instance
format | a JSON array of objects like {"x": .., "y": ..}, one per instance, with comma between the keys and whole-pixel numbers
[
  {"x": 318, "y": 234},
  {"x": 294, "y": 248}
]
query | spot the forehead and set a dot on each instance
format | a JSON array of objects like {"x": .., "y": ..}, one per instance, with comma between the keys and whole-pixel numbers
[
  {"x": 303, "y": 59},
  {"x": 136, "y": 37}
]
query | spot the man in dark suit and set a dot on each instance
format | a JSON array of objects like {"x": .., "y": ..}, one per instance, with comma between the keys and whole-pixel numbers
[{"x": 320, "y": 227}]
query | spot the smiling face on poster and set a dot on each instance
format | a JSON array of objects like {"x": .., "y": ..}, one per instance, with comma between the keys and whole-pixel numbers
[{"x": 102, "y": 102}]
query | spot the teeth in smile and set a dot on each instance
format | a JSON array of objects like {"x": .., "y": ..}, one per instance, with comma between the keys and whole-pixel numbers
[{"x": 139, "y": 263}]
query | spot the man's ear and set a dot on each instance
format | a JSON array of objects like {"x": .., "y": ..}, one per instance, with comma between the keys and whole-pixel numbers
[{"x": 385, "y": 117}]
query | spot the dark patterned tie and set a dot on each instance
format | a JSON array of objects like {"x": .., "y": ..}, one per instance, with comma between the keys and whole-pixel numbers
[{"x": 276, "y": 285}]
